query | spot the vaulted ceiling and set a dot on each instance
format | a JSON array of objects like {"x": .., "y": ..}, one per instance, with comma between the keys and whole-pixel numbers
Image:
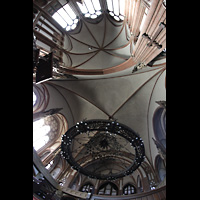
[
  {"x": 129, "y": 98},
  {"x": 100, "y": 45},
  {"x": 96, "y": 41}
]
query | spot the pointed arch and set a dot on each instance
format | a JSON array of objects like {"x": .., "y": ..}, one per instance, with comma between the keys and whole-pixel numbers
[
  {"x": 40, "y": 97},
  {"x": 47, "y": 133},
  {"x": 87, "y": 187},
  {"x": 128, "y": 189},
  {"x": 159, "y": 125},
  {"x": 160, "y": 168},
  {"x": 108, "y": 188}
]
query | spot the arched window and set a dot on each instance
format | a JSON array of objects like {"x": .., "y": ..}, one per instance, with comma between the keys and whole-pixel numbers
[
  {"x": 34, "y": 98},
  {"x": 139, "y": 183},
  {"x": 129, "y": 189},
  {"x": 55, "y": 172},
  {"x": 116, "y": 9},
  {"x": 160, "y": 167},
  {"x": 40, "y": 98},
  {"x": 90, "y": 8},
  {"x": 108, "y": 188},
  {"x": 159, "y": 125},
  {"x": 88, "y": 187},
  {"x": 65, "y": 16},
  {"x": 47, "y": 130},
  {"x": 56, "y": 166},
  {"x": 40, "y": 133}
]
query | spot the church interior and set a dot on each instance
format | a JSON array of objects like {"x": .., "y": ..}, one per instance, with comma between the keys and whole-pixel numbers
[{"x": 99, "y": 99}]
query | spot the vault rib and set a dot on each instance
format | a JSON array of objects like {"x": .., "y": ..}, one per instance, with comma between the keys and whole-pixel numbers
[
  {"x": 137, "y": 91},
  {"x": 50, "y": 83}
]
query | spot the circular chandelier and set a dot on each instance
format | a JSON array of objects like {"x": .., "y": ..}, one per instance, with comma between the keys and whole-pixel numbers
[{"x": 102, "y": 149}]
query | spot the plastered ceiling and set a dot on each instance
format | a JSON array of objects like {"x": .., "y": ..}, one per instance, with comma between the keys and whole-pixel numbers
[
  {"x": 127, "y": 97},
  {"x": 98, "y": 46}
]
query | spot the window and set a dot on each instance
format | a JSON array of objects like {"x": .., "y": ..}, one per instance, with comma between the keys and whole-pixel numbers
[
  {"x": 139, "y": 183},
  {"x": 90, "y": 8},
  {"x": 50, "y": 164},
  {"x": 34, "y": 98},
  {"x": 87, "y": 188},
  {"x": 66, "y": 17},
  {"x": 159, "y": 125},
  {"x": 160, "y": 167},
  {"x": 116, "y": 9},
  {"x": 40, "y": 131},
  {"x": 129, "y": 189},
  {"x": 44, "y": 131},
  {"x": 55, "y": 172},
  {"x": 108, "y": 189},
  {"x": 40, "y": 97}
]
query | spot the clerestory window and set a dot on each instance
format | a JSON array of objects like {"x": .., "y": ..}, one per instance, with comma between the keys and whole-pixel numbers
[
  {"x": 45, "y": 130},
  {"x": 159, "y": 125},
  {"x": 129, "y": 189},
  {"x": 160, "y": 167},
  {"x": 66, "y": 17},
  {"x": 40, "y": 131},
  {"x": 90, "y": 8},
  {"x": 116, "y": 9},
  {"x": 34, "y": 98},
  {"x": 108, "y": 188},
  {"x": 87, "y": 188}
]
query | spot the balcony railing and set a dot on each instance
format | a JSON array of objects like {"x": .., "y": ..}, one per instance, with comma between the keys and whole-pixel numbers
[
  {"x": 157, "y": 194},
  {"x": 47, "y": 186}
]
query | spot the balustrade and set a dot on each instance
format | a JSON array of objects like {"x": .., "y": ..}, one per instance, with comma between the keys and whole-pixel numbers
[
  {"x": 48, "y": 186},
  {"x": 157, "y": 194}
]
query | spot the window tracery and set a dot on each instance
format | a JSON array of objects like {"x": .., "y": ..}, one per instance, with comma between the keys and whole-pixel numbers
[
  {"x": 108, "y": 188},
  {"x": 88, "y": 187},
  {"x": 129, "y": 189},
  {"x": 139, "y": 183},
  {"x": 40, "y": 98},
  {"x": 64, "y": 15},
  {"x": 44, "y": 131},
  {"x": 90, "y": 8},
  {"x": 160, "y": 168},
  {"x": 34, "y": 98},
  {"x": 159, "y": 126},
  {"x": 116, "y": 9}
]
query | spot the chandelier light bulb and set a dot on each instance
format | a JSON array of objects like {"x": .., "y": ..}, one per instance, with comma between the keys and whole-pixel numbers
[{"x": 97, "y": 142}]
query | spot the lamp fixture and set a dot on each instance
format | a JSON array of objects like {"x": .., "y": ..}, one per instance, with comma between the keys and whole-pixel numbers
[{"x": 103, "y": 149}]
